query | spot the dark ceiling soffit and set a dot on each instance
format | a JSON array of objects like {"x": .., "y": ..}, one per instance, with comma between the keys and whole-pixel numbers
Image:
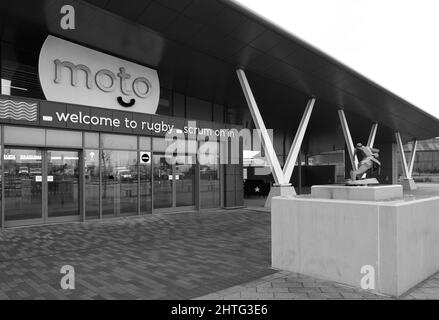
[
  {"x": 275, "y": 29},
  {"x": 288, "y": 36}
]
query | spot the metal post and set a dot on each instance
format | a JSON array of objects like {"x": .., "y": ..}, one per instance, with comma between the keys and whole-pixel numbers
[
  {"x": 299, "y": 173},
  {"x": 139, "y": 177},
  {"x": 100, "y": 166},
  {"x": 402, "y": 155},
  {"x": 298, "y": 139},
  {"x": 348, "y": 139},
  {"x": 81, "y": 163},
  {"x": 412, "y": 157},
  {"x": 259, "y": 123},
  {"x": 372, "y": 135}
]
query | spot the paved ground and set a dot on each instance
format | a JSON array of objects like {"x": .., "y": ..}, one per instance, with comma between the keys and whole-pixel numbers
[
  {"x": 428, "y": 289},
  {"x": 168, "y": 256},
  {"x": 217, "y": 255},
  {"x": 285, "y": 285}
]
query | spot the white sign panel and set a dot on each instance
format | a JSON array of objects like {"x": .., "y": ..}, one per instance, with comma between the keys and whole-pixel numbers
[
  {"x": 75, "y": 74},
  {"x": 145, "y": 157},
  {"x": 9, "y": 156}
]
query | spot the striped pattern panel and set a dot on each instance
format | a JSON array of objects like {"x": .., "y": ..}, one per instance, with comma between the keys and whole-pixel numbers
[{"x": 18, "y": 110}]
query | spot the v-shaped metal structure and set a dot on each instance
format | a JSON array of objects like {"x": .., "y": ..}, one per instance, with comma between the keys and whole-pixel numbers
[
  {"x": 348, "y": 139},
  {"x": 281, "y": 176},
  {"x": 407, "y": 168}
]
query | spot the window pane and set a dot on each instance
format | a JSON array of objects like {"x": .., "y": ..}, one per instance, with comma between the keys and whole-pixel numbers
[
  {"x": 184, "y": 175},
  {"x": 115, "y": 141},
  {"x": 91, "y": 140},
  {"x": 91, "y": 172},
  {"x": 18, "y": 67},
  {"x": 25, "y": 136},
  {"x": 209, "y": 175},
  {"x": 159, "y": 144},
  {"x": 63, "y": 138},
  {"x": 23, "y": 184},
  {"x": 218, "y": 113},
  {"x": 198, "y": 109},
  {"x": 179, "y": 105},
  {"x": 63, "y": 183},
  {"x": 119, "y": 183},
  {"x": 163, "y": 188},
  {"x": 1, "y": 181},
  {"x": 165, "y": 102},
  {"x": 180, "y": 146},
  {"x": 145, "y": 143}
]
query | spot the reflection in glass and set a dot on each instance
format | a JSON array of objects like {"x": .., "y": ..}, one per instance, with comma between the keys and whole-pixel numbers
[
  {"x": 62, "y": 183},
  {"x": 118, "y": 141},
  {"x": 162, "y": 173},
  {"x": 23, "y": 184},
  {"x": 119, "y": 183},
  {"x": 209, "y": 175},
  {"x": 209, "y": 186},
  {"x": 91, "y": 192},
  {"x": 1, "y": 182},
  {"x": 184, "y": 176}
]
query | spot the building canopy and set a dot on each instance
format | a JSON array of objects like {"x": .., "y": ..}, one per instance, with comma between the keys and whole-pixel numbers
[{"x": 197, "y": 45}]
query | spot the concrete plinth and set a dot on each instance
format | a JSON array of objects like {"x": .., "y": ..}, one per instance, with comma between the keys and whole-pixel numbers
[
  {"x": 408, "y": 184},
  {"x": 334, "y": 239},
  {"x": 279, "y": 191},
  {"x": 362, "y": 193}
]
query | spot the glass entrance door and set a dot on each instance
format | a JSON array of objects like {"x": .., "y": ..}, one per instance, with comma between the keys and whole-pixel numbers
[
  {"x": 23, "y": 185},
  {"x": 62, "y": 183},
  {"x": 173, "y": 183},
  {"x": 184, "y": 177},
  {"x": 163, "y": 182},
  {"x": 40, "y": 186}
]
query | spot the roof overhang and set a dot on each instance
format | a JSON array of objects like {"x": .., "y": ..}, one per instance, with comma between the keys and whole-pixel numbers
[{"x": 197, "y": 46}]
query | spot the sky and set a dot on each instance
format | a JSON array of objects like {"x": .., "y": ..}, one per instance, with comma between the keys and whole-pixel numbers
[{"x": 394, "y": 43}]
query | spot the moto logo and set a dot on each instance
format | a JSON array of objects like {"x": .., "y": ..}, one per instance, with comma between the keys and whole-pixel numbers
[{"x": 75, "y": 74}]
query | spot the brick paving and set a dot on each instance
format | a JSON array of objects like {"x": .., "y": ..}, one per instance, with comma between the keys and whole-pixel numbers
[
  {"x": 208, "y": 255},
  {"x": 166, "y": 256},
  {"x": 428, "y": 289},
  {"x": 284, "y": 285}
]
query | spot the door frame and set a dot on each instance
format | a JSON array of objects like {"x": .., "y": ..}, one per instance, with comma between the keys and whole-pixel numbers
[
  {"x": 174, "y": 208},
  {"x": 44, "y": 219},
  {"x": 71, "y": 218}
]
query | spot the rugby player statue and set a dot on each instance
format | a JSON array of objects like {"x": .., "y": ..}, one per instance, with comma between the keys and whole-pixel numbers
[{"x": 368, "y": 163}]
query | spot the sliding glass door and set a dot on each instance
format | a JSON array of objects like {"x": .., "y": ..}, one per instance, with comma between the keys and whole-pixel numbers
[
  {"x": 41, "y": 186},
  {"x": 23, "y": 185}
]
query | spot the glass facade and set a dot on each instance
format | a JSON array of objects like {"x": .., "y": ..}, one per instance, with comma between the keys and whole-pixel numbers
[
  {"x": 62, "y": 183},
  {"x": 23, "y": 184},
  {"x": 119, "y": 182},
  {"x": 209, "y": 175},
  {"x": 184, "y": 176},
  {"x": 72, "y": 173},
  {"x": 163, "y": 183},
  {"x": 91, "y": 183},
  {"x": 50, "y": 176}
]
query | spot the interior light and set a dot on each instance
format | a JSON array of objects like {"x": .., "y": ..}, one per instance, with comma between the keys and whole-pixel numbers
[{"x": 6, "y": 87}]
